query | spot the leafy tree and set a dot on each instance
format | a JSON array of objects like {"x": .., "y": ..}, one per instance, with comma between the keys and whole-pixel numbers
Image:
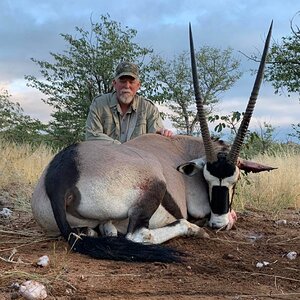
[
  {"x": 296, "y": 131},
  {"x": 15, "y": 126},
  {"x": 283, "y": 66},
  {"x": 283, "y": 69},
  {"x": 259, "y": 141},
  {"x": 217, "y": 71},
  {"x": 84, "y": 70},
  {"x": 228, "y": 121},
  {"x": 8, "y": 111}
]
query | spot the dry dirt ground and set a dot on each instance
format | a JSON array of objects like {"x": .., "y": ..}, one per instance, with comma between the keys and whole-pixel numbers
[{"x": 222, "y": 267}]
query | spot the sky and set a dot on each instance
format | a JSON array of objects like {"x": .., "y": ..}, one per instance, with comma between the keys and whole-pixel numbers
[{"x": 31, "y": 29}]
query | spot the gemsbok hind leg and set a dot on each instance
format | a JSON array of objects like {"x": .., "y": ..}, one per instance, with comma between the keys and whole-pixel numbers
[
  {"x": 178, "y": 228},
  {"x": 108, "y": 229},
  {"x": 139, "y": 216}
]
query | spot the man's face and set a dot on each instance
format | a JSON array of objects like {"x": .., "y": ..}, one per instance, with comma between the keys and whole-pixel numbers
[{"x": 126, "y": 88}]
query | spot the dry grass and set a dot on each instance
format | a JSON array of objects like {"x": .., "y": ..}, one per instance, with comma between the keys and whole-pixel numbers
[
  {"x": 20, "y": 168},
  {"x": 22, "y": 163},
  {"x": 271, "y": 191},
  {"x": 22, "y": 265}
]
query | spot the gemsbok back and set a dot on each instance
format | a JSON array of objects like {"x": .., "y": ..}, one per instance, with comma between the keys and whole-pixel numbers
[{"x": 142, "y": 193}]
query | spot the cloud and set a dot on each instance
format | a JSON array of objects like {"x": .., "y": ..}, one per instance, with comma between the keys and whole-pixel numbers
[{"x": 32, "y": 29}]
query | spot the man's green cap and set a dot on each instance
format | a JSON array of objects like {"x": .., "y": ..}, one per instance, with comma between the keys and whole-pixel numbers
[{"x": 126, "y": 68}]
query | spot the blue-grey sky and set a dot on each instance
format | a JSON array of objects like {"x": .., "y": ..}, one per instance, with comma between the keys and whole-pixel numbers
[{"x": 31, "y": 28}]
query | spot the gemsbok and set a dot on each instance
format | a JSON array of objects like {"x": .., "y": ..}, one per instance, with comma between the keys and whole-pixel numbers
[{"x": 142, "y": 193}]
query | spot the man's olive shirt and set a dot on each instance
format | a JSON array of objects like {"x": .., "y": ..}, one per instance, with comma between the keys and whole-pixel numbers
[{"x": 105, "y": 120}]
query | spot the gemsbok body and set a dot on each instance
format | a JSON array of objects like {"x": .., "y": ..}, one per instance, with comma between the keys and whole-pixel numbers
[{"x": 142, "y": 193}]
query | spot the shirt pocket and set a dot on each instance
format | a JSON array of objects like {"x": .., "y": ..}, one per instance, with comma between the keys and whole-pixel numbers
[
  {"x": 109, "y": 126},
  {"x": 140, "y": 128}
]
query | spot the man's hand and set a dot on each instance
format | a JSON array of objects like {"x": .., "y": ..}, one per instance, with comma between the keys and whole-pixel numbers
[{"x": 165, "y": 132}]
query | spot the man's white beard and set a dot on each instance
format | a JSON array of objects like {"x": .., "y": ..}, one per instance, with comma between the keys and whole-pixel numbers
[{"x": 126, "y": 98}]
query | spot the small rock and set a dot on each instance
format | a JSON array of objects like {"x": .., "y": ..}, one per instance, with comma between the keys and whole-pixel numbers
[
  {"x": 228, "y": 256},
  {"x": 262, "y": 264},
  {"x": 83, "y": 278},
  {"x": 15, "y": 286},
  {"x": 69, "y": 292},
  {"x": 254, "y": 237},
  {"x": 33, "y": 290},
  {"x": 43, "y": 261},
  {"x": 281, "y": 222},
  {"x": 291, "y": 255},
  {"x": 5, "y": 212}
]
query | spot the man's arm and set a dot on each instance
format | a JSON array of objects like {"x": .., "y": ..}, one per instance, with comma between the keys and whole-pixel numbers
[
  {"x": 155, "y": 124},
  {"x": 94, "y": 127}
]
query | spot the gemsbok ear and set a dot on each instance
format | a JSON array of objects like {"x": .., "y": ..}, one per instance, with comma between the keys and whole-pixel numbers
[{"x": 251, "y": 166}]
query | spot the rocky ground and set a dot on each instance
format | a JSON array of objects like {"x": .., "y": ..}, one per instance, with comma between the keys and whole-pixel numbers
[{"x": 222, "y": 267}]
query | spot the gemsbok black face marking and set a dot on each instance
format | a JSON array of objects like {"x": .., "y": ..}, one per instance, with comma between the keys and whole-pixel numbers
[
  {"x": 133, "y": 195},
  {"x": 222, "y": 170}
]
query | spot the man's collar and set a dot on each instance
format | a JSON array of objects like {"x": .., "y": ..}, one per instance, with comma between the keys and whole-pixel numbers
[
  {"x": 113, "y": 101},
  {"x": 134, "y": 102}
]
